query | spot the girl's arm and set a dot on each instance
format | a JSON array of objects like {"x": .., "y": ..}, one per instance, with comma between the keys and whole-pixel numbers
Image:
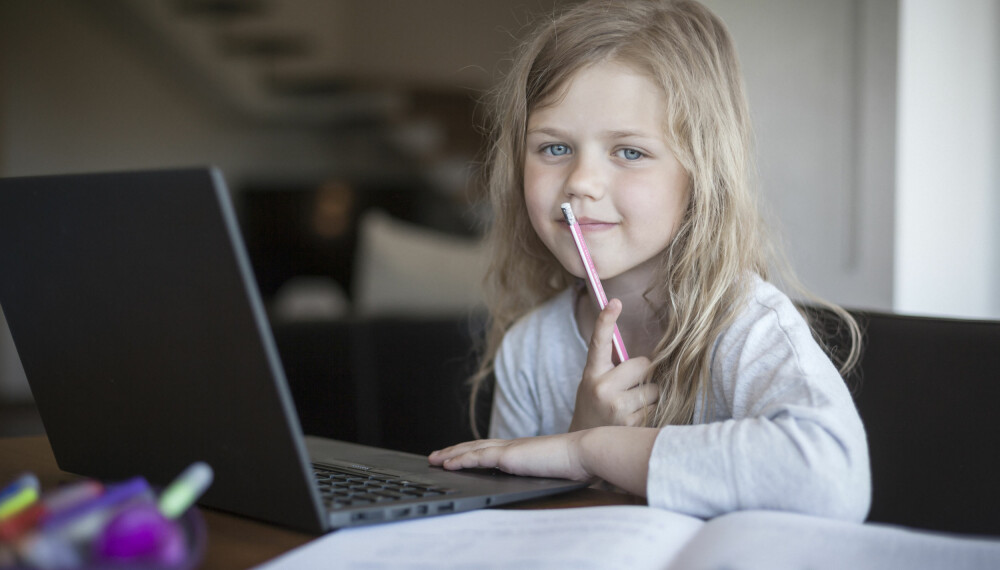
[
  {"x": 616, "y": 454},
  {"x": 599, "y": 445}
]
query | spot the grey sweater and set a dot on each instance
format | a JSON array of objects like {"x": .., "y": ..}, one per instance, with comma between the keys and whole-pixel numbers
[{"x": 781, "y": 431}]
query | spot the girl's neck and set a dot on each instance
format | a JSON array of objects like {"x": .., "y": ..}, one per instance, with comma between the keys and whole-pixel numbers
[{"x": 640, "y": 328}]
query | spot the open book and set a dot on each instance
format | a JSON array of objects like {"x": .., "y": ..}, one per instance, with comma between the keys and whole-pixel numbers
[{"x": 636, "y": 538}]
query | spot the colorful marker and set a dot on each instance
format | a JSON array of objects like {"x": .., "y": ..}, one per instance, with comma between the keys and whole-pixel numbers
[
  {"x": 185, "y": 489},
  {"x": 81, "y": 522},
  {"x": 15, "y": 486},
  {"x": 71, "y": 495},
  {"x": 592, "y": 278},
  {"x": 48, "y": 550},
  {"x": 50, "y": 504},
  {"x": 18, "y": 495}
]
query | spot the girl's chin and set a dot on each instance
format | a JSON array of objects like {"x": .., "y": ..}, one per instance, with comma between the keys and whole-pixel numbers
[{"x": 579, "y": 273}]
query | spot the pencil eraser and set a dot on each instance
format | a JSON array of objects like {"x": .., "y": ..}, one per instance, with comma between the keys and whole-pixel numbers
[{"x": 567, "y": 211}]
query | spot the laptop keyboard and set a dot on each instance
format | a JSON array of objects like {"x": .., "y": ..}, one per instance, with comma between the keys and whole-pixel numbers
[{"x": 341, "y": 488}]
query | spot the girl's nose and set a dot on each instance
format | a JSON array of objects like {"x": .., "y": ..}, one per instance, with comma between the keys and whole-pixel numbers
[{"x": 584, "y": 180}]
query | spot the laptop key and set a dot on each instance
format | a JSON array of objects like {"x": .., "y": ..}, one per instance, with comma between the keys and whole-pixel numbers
[{"x": 372, "y": 497}]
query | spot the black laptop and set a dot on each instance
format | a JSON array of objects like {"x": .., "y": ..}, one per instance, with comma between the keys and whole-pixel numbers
[{"x": 140, "y": 328}]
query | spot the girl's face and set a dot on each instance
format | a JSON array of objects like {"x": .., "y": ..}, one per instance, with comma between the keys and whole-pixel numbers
[{"x": 602, "y": 148}]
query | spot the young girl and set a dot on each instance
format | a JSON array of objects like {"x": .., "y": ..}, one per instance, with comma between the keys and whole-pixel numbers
[{"x": 634, "y": 113}]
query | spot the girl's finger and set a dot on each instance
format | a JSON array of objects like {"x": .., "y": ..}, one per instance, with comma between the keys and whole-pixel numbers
[
  {"x": 442, "y": 455},
  {"x": 599, "y": 351},
  {"x": 641, "y": 417},
  {"x": 643, "y": 396},
  {"x": 638, "y": 401},
  {"x": 485, "y": 457},
  {"x": 628, "y": 376},
  {"x": 634, "y": 373}
]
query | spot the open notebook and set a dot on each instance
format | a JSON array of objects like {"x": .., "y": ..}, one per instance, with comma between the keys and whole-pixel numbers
[{"x": 641, "y": 538}]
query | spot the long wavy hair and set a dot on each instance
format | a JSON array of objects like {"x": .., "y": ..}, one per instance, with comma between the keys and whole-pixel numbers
[{"x": 704, "y": 276}]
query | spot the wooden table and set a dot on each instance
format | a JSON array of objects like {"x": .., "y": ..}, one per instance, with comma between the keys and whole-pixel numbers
[{"x": 234, "y": 541}]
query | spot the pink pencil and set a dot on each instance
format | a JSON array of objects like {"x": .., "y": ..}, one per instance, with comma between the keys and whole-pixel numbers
[{"x": 595, "y": 282}]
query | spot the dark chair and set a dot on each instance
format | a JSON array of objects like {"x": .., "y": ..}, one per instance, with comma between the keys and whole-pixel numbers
[
  {"x": 926, "y": 389},
  {"x": 417, "y": 382},
  {"x": 396, "y": 382},
  {"x": 318, "y": 361}
]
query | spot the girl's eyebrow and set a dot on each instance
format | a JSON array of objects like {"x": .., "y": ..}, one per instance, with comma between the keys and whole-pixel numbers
[
  {"x": 545, "y": 131},
  {"x": 631, "y": 134},
  {"x": 612, "y": 134}
]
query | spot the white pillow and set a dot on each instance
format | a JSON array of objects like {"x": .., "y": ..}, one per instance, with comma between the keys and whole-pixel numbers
[
  {"x": 402, "y": 268},
  {"x": 307, "y": 297}
]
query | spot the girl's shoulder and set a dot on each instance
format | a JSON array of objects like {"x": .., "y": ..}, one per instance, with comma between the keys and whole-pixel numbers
[
  {"x": 764, "y": 297},
  {"x": 761, "y": 297},
  {"x": 767, "y": 312}
]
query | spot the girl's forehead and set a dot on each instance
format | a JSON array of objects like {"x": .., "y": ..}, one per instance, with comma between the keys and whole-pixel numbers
[
  {"x": 606, "y": 91},
  {"x": 556, "y": 92}
]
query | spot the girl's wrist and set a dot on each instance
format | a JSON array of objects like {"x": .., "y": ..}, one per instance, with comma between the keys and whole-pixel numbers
[
  {"x": 585, "y": 448},
  {"x": 616, "y": 454}
]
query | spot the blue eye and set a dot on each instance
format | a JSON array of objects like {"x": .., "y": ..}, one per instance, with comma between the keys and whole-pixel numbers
[
  {"x": 630, "y": 154},
  {"x": 556, "y": 149}
]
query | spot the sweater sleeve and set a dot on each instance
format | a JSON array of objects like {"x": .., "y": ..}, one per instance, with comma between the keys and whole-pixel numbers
[
  {"x": 783, "y": 434},
  {"x": 515, "y": 412}
]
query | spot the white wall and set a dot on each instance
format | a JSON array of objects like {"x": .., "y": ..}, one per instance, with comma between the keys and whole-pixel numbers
[
  {"x": 948, "y": 197},
  {"x": 821, "y": 83}
]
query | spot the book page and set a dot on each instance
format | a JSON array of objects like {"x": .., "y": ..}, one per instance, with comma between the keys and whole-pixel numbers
[
  {"x": 633, "y": 537},
  {"x": 765, "y": 539}
]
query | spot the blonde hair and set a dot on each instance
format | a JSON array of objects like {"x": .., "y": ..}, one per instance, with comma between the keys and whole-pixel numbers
[{"x": 705, "y": 274}]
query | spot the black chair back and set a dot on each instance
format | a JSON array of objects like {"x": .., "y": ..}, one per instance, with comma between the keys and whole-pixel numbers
[{"x": 927, "y": 389}]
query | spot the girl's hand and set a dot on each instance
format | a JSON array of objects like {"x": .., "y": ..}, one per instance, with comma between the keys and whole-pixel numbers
[
  {"x": 611, "y": 395},
  {"x": 542, "y": 456}
]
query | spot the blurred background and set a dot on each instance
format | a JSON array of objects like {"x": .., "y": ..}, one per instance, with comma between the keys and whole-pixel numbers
[{"x": 347, "y": 133}]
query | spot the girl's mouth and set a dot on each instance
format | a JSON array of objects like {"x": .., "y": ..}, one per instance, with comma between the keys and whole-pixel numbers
[{"x": 592, "y": 225}]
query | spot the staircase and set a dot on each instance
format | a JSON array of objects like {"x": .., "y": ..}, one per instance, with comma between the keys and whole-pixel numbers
[{"x": 280, "y": 61}]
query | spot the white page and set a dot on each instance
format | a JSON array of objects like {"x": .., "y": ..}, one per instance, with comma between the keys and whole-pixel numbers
[
  {"x": 770, "y": 540},
  {"x": 630, "y": 537}
]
